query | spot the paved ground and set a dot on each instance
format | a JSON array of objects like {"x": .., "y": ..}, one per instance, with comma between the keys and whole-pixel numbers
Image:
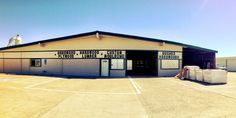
[{"x": 47, "y": 97}]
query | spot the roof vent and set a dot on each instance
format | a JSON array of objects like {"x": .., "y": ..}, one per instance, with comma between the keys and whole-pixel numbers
[{"x": 16, "y": 40}]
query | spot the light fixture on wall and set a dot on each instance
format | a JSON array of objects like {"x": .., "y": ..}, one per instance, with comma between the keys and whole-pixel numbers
[
  {"x": 41, "y": 44},
  {"x": 163, "y": 43},
  {"x": 98, "y": 36}
]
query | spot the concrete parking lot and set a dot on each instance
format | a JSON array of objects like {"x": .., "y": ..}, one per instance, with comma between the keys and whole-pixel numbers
[{"x": 24, "y": 96}]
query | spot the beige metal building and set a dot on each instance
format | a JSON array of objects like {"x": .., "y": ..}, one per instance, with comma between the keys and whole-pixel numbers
[
  {"x": 103, "y": 54},
  {"x": 226, "y": 62}
]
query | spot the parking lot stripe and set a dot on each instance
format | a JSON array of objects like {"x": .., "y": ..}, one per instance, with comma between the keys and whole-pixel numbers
[
  {"x": 77, "y": 92},
  {"x": 37, "y": 84},
  {"x": 135, "y": 86},
  {"x": 138, "y": 85}
]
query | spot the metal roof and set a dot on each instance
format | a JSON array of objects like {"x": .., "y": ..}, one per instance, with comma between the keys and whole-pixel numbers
[{"x": 111, "y": 34}]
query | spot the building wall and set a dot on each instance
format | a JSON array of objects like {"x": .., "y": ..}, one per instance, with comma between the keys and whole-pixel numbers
[
  {"x": 117, "y": 73},
  {"x": 231, "y": 64},
  {"x": 77, "y": 67},
  {"x": 169, "y": 63},
  {"x": 221, "y": 62},
  {"x": 228, "y": 62},
  {"x": 13, "y": 55},
  {"x": 25, "y": 66},
  {"x": 81, "y": 67},
  {"x": 106, "y": 42},
  {"x": 12, "y": 66},
  {"x": 34, "y": 54},
  {"x": 51, "y": 67},
  {"x": 1, "y": 62},
  {"x": 1, "y": 65},
  {"x": 1, "y": 54},
  {"x": 168, "y": 72}
]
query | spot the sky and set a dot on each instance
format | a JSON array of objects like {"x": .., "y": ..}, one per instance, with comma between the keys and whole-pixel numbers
[{"x": 205, "y": 23}]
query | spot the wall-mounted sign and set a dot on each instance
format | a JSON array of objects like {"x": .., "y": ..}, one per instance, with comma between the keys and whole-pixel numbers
[
  {"x": 114, "y": 54},
  {"x": 166, "y": 55},
  {"x": 169, "y": 59},
  {"x": 91, "y": 54},
  {"x": 66, "y": 54}
]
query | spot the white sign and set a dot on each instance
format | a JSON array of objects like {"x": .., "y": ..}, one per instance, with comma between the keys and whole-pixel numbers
[
  {"x": 91, "y": 54},
  {"x": 169, "y": 55},
  {"x": 170, "y": 64}
]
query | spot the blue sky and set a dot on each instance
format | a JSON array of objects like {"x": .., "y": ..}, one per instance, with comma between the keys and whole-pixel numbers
[{"x": 206, "y": 23}]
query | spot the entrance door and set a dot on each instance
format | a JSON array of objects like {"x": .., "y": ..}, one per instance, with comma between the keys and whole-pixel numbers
[{"x": 104, "y": 67}]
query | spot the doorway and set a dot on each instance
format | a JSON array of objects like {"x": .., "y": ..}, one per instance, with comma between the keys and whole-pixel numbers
[
  {"x": 203, "y": 59},
  {"x": 142, "y": 63},
  {"x": 105, "y": 67}
]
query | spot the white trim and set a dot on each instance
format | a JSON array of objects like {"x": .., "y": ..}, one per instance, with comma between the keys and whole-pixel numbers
[
  {"x": 76, "y": 92},
  {"x": 135, "y": 85},
  {"x": 37, "y": 84}
]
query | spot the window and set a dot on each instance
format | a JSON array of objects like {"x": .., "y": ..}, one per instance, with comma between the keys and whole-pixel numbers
[
  {"x": 169, "y": 64},
  {"x": 129, "y": 65},
  {"x": 117, "y": 63},
  {"x": 36, "y": 63}
]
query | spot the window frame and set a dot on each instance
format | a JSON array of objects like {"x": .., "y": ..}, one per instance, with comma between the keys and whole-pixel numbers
[
  {"x": 123, "y": 67},
  {"x": 161, "y": 65},
  {"x": 129, "y": 64},
  {"x": 35, "y": 60}
]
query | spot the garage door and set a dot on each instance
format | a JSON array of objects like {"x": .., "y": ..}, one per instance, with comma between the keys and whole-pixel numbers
[{"x": 81, "y": 67}]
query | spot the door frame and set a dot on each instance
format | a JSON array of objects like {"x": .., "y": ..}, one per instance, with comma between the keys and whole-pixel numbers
[{"x": 109, "y": 68}]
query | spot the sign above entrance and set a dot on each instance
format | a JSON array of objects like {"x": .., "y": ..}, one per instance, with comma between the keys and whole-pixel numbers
[
  {"x": 88, "y": 54},
  {"x": 91, "y": 54},
  {"x": 169, "y": 55},
  {"x": 66, "y": 54}
]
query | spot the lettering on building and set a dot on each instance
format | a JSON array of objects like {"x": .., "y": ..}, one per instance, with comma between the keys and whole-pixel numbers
[
  {"x": 89, "y": 54},
  {"x": 114, "y": 54},
  {"x": 169, "y": 56},
  {"x": 66, "y": 54}
]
